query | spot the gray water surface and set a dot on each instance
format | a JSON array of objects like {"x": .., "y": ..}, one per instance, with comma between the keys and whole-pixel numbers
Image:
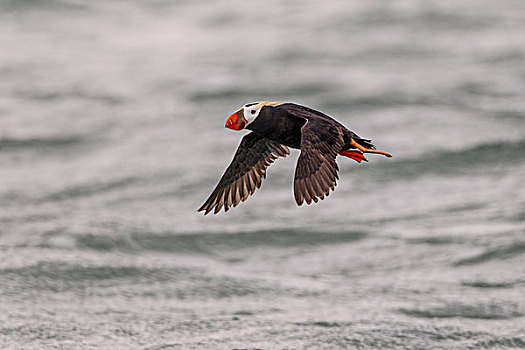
[{"x": 112, "y": 135}]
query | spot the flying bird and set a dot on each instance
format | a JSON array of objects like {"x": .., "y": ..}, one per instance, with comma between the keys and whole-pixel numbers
[{"x": 275, "y": 127}]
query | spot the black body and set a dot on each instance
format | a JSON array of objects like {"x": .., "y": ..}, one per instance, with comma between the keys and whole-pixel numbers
[
  {"x": 283, "y": 124},
  {"x": 277, "y": 127}
]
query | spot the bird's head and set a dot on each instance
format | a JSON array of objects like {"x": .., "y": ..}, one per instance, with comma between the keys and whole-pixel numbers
[{"x": 244, "y": 116}]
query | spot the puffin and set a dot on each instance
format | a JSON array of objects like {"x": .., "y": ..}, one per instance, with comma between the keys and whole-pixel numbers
[{"x": 275, "y": 128}]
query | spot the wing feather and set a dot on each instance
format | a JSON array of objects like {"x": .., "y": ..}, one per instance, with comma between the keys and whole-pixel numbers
[
  {"x": 245, "y": 173},
  {"x": 316, "y": 171}
]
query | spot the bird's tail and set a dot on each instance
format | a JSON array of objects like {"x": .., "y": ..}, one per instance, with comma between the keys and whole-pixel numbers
[
  {"x": 358, "y": 146},
  {"x": 366, "y": 146},
  {"x": 367, "y": 143}
]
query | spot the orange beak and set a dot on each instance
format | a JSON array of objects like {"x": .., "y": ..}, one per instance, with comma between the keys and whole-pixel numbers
[{"x": 236, "y": 121}]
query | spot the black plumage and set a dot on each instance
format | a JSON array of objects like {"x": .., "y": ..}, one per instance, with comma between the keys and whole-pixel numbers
[
  {"x": 245, "y": 173},
  {"x": 277, "y": 127}
]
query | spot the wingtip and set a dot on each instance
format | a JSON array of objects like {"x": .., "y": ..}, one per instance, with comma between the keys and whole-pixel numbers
[
  {"x": 204, "y": 209},
  {"x": 201, "y": 210}
]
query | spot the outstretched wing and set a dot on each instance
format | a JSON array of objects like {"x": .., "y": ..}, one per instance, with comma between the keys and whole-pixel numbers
[
  {"x": 316, "y": 170},
  {"x": 245, "y": 173}
]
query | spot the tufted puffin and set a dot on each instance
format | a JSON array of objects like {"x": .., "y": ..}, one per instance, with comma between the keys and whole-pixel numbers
[{"x": 276, "y": 126}]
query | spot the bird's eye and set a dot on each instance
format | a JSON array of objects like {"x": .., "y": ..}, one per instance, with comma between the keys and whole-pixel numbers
[{"x": 253, "y": 111}]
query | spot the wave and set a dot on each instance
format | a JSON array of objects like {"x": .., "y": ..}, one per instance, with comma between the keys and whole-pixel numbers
[
  {"x": 56, "y": 277},
  {"x": 488, "y": 155},
  {"x": 499, "y": 343},
  {"x": 325, "y": 324},
  {"x": 386, "y": 100},
  {"x": 59, "y": 271},
  {"x": 514, "y": 115},
  {"x": 499, "y": 253},
  {"x": 86, "y": 190},
  {"x": 210, "y": 243},
  {"x": 489, "y": 311},
  {"x": 228, "y": 94},
  {"x": 398, "y": 335},
  {"x": 39, "y": 144},
  {"x": 53, "y": 95},
  {"x": 489, "y": 284},
  {"x": 433, "y": 240},
  {"x": 18, "y": 5},
  {"x": 435, "y": 19}
]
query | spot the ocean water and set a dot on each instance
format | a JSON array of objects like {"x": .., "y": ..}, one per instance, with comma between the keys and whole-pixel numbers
[{"x": 112, "y": 135}]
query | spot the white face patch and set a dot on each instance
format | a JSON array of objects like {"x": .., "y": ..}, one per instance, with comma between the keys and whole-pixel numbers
[{"x": 251, "y": 111}]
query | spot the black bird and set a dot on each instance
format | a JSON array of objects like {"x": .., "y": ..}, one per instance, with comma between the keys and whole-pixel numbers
[{"x": 276, "y": 126}]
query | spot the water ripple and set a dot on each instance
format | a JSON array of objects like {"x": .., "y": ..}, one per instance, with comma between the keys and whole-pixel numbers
[
  {"x": 489, "y": 311},
  {"x": 498, "y": 253},
  {"x": 208, "y": 243},
  {"x": 10, "y": 144}
]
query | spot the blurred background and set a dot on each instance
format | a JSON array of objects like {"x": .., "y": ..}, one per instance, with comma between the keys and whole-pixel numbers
[{"x": 112, "y": 135}]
